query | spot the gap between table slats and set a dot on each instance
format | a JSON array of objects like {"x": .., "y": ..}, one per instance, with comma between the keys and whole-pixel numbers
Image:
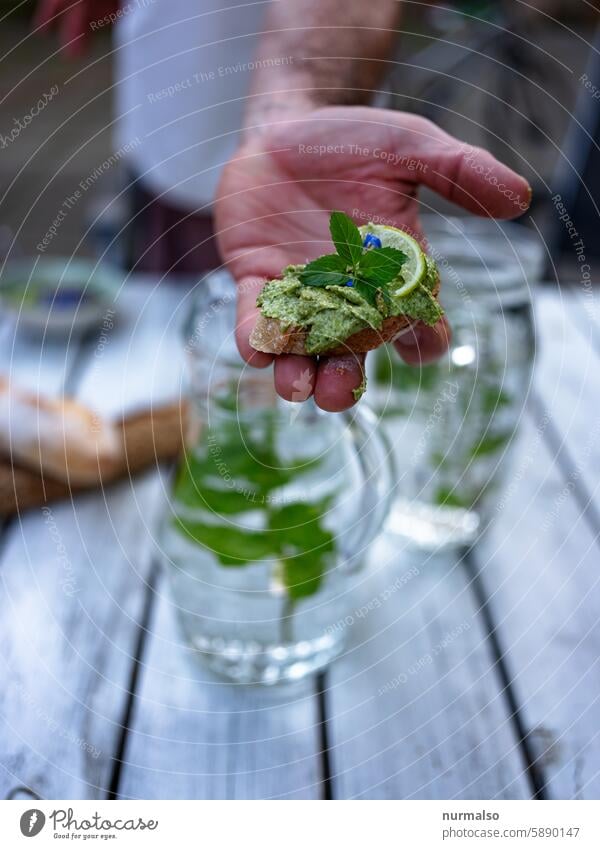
[{"x": 555, "y": 539}]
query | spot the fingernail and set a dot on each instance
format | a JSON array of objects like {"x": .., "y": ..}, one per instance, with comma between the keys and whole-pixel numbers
[{"x": 529, "y": 195}]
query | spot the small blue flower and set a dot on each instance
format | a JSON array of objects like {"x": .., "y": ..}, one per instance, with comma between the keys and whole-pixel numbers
[
  {"x": 371, "y": 241},
  {"x": 349, "y": 282}
]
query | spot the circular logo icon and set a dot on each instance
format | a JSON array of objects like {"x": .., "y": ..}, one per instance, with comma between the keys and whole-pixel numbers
[{"x": 32, "y": 822}]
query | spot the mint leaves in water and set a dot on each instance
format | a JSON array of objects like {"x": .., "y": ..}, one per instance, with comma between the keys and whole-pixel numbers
[
  {"x": 369, "y": 271},
  {"x": 290, "y": 532}
]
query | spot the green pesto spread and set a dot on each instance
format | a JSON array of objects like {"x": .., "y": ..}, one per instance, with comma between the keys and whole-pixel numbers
[
  {"x": 333, "y": 313},
  {"x": 360, "y": 389}
]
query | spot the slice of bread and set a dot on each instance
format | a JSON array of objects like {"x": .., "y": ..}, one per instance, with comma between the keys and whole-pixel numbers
[
  {"x": 57, "y": 436},
  {"x": 271, "y": 337}
]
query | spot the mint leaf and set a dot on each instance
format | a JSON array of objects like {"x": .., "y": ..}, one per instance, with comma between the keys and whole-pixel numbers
[
  {"x": 367, "y": 290},
  {"x": 305, "y": 544},
  {"x": 303, "y": 574},
  {"x": 376, "y": 293},
  {"x": 329, "y": 270},
  {"x": 371, "y": 271},
  {"x": 346, "y": 238},
  {"x": 231, "y": 546},
  {"x": 381, "y": 265}
]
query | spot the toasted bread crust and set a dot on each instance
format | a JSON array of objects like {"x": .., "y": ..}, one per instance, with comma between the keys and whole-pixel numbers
[{"x": 270, "y": 337}]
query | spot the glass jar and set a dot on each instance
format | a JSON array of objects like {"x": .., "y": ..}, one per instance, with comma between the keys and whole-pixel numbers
[
  {"x": 272, "y": 510},
  {"x": 453, "y": 422}
]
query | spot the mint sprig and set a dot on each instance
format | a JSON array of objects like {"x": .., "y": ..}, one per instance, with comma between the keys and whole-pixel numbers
[
  {"x": 329, "y": 270},
  {"x": 371, "y": 271},
  {"x": 346, "y": 237}
]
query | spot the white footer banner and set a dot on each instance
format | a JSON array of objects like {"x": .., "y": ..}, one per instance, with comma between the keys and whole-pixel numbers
[{"x": 302, "y": 824}]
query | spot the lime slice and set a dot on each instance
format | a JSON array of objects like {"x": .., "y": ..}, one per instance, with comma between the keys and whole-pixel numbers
[{"x": 415, "y": 267}]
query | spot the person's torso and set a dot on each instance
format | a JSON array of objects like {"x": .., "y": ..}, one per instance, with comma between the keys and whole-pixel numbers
[{"x": 183, "y": 71}]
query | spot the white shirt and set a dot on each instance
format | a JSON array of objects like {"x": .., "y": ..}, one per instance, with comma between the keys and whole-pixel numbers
[{"x": 183, "y": 70}]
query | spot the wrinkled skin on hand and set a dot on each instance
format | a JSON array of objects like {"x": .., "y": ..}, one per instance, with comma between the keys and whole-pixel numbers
[{"x": 276, "y": 195}]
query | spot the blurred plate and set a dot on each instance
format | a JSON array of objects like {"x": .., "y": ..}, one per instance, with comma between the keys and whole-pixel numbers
[{"x": 56, "y": 296}]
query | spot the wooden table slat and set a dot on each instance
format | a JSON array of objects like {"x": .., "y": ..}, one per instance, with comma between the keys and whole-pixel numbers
[
  {"x": 416, "y": 707},
  {"x": 195, "y": 737},
  {"x": 416, "y": 704},
  {"x": 540, "y": 568},
  {"x": 74, "y": 582},
  {"x": 540, "y": 562},
  {"x": 567, "y": 384}
]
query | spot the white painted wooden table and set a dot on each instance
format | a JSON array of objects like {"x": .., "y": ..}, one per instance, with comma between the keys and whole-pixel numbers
[{"x": 99, "y": 698}]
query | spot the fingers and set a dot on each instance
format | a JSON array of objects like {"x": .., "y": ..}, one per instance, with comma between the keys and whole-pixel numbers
[
  {"x": 295, "y": 377},
  {"x": 472, "y": 178},
  {"x": 410, "y": 148},
  {"x": 337, "y": 377},
  {"x": 332, "y": 381},
  {"x": 421, "y": 344},
  {"x": 247, "y": 313}
]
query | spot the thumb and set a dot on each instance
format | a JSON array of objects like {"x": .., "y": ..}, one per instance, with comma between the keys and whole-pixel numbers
[
  {"x": 248, "y": 289},
  {"x": 472, "y": 178}
]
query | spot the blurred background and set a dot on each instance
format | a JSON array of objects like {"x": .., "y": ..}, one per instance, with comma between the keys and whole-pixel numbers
[
  {"x": 506, "y": 75},
  {"x": 479, "y": 679},
  {"x": 113, "y": 131}
]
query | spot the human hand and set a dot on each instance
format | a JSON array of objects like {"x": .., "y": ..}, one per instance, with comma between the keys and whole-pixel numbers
[
  {"x": 276, "y": 195},
  {"x": 74, "y": 20}
]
